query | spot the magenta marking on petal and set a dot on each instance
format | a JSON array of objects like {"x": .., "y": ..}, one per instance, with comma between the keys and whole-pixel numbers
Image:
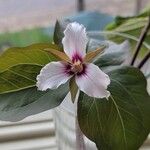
[
  {"x": 68, "y": 69},
  {"x": 76, "y": 57}
]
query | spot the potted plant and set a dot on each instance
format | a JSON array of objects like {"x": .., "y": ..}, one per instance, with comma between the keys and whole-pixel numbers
[{"x": 108, "y": 101}]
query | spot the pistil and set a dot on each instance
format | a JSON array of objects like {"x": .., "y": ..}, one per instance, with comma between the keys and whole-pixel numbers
[{"x": 77, "y": 67}]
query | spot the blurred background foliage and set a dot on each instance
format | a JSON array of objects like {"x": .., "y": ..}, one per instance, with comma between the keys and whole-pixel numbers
[
  {"x": 45, "y": 34},
  {"x": 127, "y": 27},
  {"x": 130, "y": 27}
]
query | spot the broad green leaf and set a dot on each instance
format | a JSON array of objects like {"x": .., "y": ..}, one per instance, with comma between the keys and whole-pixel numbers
[
  {"x": 131, "y": 26},
  {"x": 19, "y": 77},
  {"x": 33, "y": 54},
  {"x": 19, "y": 67},
  {"x": 60, "y": 26},
  {"x": 122, "y": 122},
  {"x": 18, "y": 105}
]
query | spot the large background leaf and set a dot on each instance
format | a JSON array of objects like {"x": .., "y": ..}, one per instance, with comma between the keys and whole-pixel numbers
[
  {"x": 18, "y": 105},
  {"x": 19, "y": 67},
  {"x": 19, "y": 77},
  {"x": 32, "y": 54},
  {"x": 122, "y": 122}
]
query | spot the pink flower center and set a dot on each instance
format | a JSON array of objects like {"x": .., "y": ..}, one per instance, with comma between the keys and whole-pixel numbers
[{"x": 77, "y": 66}]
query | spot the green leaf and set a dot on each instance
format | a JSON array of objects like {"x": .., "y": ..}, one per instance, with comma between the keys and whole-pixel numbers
[
  {"x": 60, "y": 26},
  {"x": 32, "y": 54},
  {"x": 18, "y": 77},
  {"x": 19, "y": 67},
  {"x": 120, "y": 20},
  {"x": 18, "y": 105},
  {"x": 19, "y": 97},
  {"x": 131, "y": 26},
  {"x": 122, "y": 122}
]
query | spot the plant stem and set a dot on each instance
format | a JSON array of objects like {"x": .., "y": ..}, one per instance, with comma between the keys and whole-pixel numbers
[
  {"x": 141, "y": 40},
  {"x": 141, "y": 64},
  {"x": 80, "y": 145}
]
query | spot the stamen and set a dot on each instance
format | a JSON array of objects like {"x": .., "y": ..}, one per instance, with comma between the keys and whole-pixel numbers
[{"x": 77, "y": 66}]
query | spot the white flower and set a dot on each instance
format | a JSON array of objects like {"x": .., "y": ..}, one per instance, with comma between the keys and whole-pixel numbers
[{"x": 89, "y": 78}]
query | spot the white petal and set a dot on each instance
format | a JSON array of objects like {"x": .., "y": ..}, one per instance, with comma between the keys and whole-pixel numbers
[
  {"x": 75, "y": 40},
  {"x": 93, "y": 82},
  {"x": 52, "y": 76}
]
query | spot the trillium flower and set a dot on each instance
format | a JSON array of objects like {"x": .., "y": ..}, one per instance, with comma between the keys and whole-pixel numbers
[{"x": 75, "y": 64}]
